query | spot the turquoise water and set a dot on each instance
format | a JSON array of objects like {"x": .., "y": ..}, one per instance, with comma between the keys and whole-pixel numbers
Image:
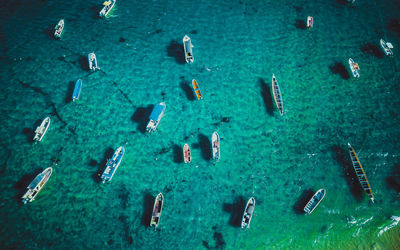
[{"x": 237, "y": 47}]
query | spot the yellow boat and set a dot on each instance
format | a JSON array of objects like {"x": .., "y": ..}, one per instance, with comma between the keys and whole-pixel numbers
[{"x": 197, "y": 90}]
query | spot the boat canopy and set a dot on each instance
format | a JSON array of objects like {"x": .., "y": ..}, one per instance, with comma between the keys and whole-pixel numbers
[
  {"x": 106, "y": 3},
  {"x": 36, "y": 181},
  {"x": 156, "y": 112}
]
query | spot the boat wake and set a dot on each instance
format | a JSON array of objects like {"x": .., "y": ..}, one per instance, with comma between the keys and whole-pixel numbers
[{"x": 395, "y": 220}]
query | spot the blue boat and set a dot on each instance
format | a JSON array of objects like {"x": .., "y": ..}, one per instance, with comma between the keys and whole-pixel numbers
[
  {"x": 155, "y": 117},
  {"x": 112, "y": 164},
  {"x": 77, "y": 90}
]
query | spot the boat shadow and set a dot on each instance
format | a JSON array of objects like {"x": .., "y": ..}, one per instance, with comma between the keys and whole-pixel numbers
[
  {"x": 30, "y": 133},
  {"x": 341, "y": 156},
  {"x": 205, "y": 146},
  {"x": 343, "y": 2},
  {"x": 236, "y": 210},
  {"x": 95, "y": 12},
  {"x": 185, "y": 86},
  {"x": 141, "y": 116},
  {"x": 178, "y": 153},
  {"x": 298, "y": 207},
  {"x": 267, "y": 97},
  {"x": 393, "y": 180},
  {"x": 50, "y": 32},
  {"x": 372, "y": 49},
  {"x": 339, "y": 68},
  {"x": 175, "y": 50},
  {"x": 301, "y": 24},
  {"x": 102, "y": 165},
  {"x": 23, "y": 182},
  {"x": 70, "y": 91},
  {"x": 148, "y": 202},
  {"x": 83, "y": 61}
]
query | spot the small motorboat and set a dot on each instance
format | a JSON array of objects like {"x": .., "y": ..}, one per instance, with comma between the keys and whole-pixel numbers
[
  {"x": 77, "y": 90},
  {"x": 277, "y": 94},
  {"x": 107, "y": 6},
  {"x": 42, "y": 129},
  {"x": 36, "y": 185},
  {"x": 187, "y": 46},
  {"x": 248, "y": 213},
  {"x": 59, "y": 29},
  {"x": 314, "y": 201},
  {"x": 113, "y": 164},
  {"x": 157, "y": 209},
  {"x": 92, "y": 60},
  {"x": 155, "y": 117},
  {"x": 386, "y": 47},
  {"x": 186, "y": 154},
  {"x": 354, "y": 68},
  {"x": 216, "y": 146},
  {"x": 310, "y": 22},
  {"x": 196, "y": 89}
]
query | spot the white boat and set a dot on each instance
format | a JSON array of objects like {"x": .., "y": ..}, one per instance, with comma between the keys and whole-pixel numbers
[
  {"x": 42, "y": 129},
  {"x": 108, "y": 5},
  {"x": 314, "y": 201},
  {"x": 386, "y": 47},
  {"x": 59, "y": 29},
  {"x": 216, "y": 147},
  {"x": 92, "y": 60},
  {"x": 157, "y": 209},
  {"x": 36, "y": 185},
  {"x": 354, "y": 68},
  {"x": 113, "y": 164},
  {"x": 155, "y": 117},
  {"x": 187, "y": 46},
  {"x": 277, "y": 94},
  {"x": 248, "y": 213},
  {"x": 186, "y": 154},
  {"x": 310, "y": 22}
]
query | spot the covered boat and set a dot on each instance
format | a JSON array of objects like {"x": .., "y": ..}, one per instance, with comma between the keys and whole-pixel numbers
[
  {"x": 112, "y": 164},
  {"x": 92, "y": 62},
  {"x": 157, "y": 209},
  {"x": 310, "y": 22},
  {"x": 187, "y": 46},
  {"x": 277, "y": 94},
  {"x": 314, "y": 201},
  {"x": 354, "y": 68},
  {"x": 42, "y": 129},
  {"x": 186, "y": 154},
  {"x": 248, "y": 213},
  {"x": 216, "y": 146},
  {"x": 36, "y": 185},
  {"x": 155, "y": 117},
  {"x": 360, "y": 172},
  {"x": 196, "y": 89},
  {"x": 59, "y": 29},
  {"x": 386, "y": 47},
  {"x": 108, "y": 5},
  {"x": 77, "y": 90}
]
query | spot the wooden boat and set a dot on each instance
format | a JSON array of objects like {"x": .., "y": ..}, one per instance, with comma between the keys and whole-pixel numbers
[
  {"x": 354, "y": 68},
  {"x": 187, "y": 46},
  {"x": 187, "y": 157},
  {"x": 92, "y": 60},
  {"x": 277, "y": 94},
  {"x": 157, "y": 209},
  {"x": 386, "y": 47},
  {"x": 310, "y": 22},
  {"x": 216, "y": 146},
  {"x": 36, "y": 185},
  {"x": 248, "y": 213},
  {"x": 197, "y": 90},
  {"x": 314, "y": 201},
  {"x": 108, "y": 5},
  {"x": 77, "y": 90},
  {"x": 59, "y": 29},
  {"x": 42, "y": 129},
  {"x": 360, "y": 172}
]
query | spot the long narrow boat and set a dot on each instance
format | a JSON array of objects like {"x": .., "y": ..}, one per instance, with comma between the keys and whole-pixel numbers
[
  {"x": 187, "y": 157},
  {"x": 42, "y": 129},
  {"x": 216, "y": 147},
  {"x": 36, "y": 185},
  {"x": 59, "y": 29},
  {"x": 386, "y": 47},
  {"x": 314, "y": 201},
  {"x": 112, "y": 164},
  {"x": 360, "y": 172},
  {"x": 77, "y": 90},
  {"x": 354, "y": 68},
  {"x": 196, "y": 89},
  {"x": 248, "y": 213},
  {"x": 92, "y": 60},
  {"x": 310, "y": 22},
  {"x": 157, "y": 209},
  {"x": 277, "y": 94},
  {"x": 108, "y": 5},
  {"x": 187, "y": 46},
  {"x": 155, "y": 117}
]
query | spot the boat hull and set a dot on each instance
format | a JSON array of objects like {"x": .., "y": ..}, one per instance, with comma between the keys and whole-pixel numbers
[
  {"x": 77, "y": 90},
  {"x": 37, "y": 185},
  {"x": 107, "y": 8},
  {"x": 385, "y": 47},
  {"x": 196, "y": 89},
  {"x": 216, "y": 146},
  {"x": 59, "y": 29},
  {"x": 248, "y": 213},
  {"x": 310, "y": 22},
  {"x": 314, "y": 201},
  {"x": 187, "y": 154},
  {"x": 187, "y": 47},
  {"x": 155, "y": 117},
  {"x": 277, "y": 95},
  {"x": 157, "y": 209},
  {"x": 92, "y": 61},
  {"x": 113, "y": 164},
  {"x": 353, "y": 69},
  {"x": 42, "y": 129}
]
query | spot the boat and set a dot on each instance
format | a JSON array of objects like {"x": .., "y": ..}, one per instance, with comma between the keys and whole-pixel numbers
[
  {"x": 216, "y": 146},
  {"x": 112, "y": 164},
  {"x": 187, "y": 46},
  {"x": 92, "y": 62},
  {"x": 108, "y": 5},
  {"x": 77, "y": 90},
  {"x": 360, "y": 172},
  {"x": 354, "y": 68},
  {"x": 277, "y": 94},
  {"x": 386, "y": 47},
  {"x": 351, "y": 1},
  {"x": 155, "y": 117},
  {"x": 36, "y": 185},
  {"x": 42, "y": 129},
  {"x": 314, "y": 201},
  {"x": 187, "y": 157},
  {"x": 59, "y": 29},
  {"x": 310, "y": 22},
  {"x": 197, "y": 90},
  {"x": 248, "y": 213},
  {"x": 157, "y": 209}
]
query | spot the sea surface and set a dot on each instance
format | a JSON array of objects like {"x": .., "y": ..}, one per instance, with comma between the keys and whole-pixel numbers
[{"x": 279, "y": 160}]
